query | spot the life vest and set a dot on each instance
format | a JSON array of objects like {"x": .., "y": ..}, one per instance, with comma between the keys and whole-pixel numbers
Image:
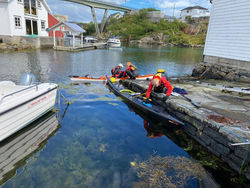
[
  {"x": 116, "y": 71},
  {"x": 131, "y": 68}
]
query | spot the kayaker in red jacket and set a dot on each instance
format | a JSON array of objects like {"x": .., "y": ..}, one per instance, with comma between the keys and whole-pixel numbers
[
  {"x": 159, "y": 84},
  {"x": 130, "y": 71},
  {"x": 117, "y": 71}
]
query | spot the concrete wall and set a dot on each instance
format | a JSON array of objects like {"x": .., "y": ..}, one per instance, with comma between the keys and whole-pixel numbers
[
  {"x": 229, "y": 30},
  {"x": 8, "y": 43}
]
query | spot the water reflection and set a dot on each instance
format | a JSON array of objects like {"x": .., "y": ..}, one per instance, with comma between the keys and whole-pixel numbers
[
  {"x": 15, "y": 150},
  {"x": 55, "y": 66},
  {"x": 99, "y": 136},
  {"x": 152, "y": 132}
]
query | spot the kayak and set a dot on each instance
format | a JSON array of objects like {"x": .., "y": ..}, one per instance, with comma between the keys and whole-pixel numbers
[
  {"x": 136, "y": 101},
  {"x": 84, "y": 79}
]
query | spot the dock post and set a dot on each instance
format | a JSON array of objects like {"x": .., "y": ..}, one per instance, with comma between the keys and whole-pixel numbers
[
  {"x": 81, "y": 43},
  {"x": 73, "y": 40},
  {"x": 54, "y": 38}
]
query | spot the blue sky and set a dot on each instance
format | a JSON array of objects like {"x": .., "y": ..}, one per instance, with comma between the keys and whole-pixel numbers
[{"x": 81, "y": 13}]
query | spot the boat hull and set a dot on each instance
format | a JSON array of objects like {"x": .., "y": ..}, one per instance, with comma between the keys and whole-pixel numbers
[
  {"x": 155, "y": 112},
  {"x": 21, "y": 114},
  {"x": 116, "y": 45},
  {"x": 84, "y": 79}
]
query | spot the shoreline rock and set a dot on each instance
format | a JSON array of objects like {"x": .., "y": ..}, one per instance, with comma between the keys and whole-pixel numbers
[
  {"x": 213, "y": 125},
  {"x": 220, "y": 72}
]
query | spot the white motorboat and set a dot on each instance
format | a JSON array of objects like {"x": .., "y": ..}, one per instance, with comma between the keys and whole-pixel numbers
[
  {"x": 114, "y": 42},
  {"x": 20, "y": 105}
]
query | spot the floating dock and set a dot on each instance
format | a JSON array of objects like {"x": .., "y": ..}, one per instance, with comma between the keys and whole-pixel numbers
[{"x": 87, "y": 46}]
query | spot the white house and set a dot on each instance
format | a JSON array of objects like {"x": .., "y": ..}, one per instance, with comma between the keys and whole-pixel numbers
[
  {"x": 228, "y": 36},
  {"x": 116, "y": 15},
  {"x": 24, "y": 17},
  {"x": 155, "y": 16},
  {"x": 194, "y": 12}
]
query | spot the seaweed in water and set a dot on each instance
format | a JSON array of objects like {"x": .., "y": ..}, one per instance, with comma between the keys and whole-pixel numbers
[{"x": 167, "y": 171}]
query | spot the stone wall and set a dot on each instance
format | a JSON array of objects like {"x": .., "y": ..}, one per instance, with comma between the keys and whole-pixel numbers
[
  {"x": 223, "y": 68},
  {"x": 214, "y": 137},
  {"x": 18, "y": 43}
]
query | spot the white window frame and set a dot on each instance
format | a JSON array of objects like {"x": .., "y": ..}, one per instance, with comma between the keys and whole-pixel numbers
[
  {"x": 38, "y": 4},
  {"x": 43, "y": 21},
  {"x": 20, "y": 22}
]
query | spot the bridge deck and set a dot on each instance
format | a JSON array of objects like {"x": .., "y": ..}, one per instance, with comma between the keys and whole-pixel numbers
[{"x": 102, "y": 5}]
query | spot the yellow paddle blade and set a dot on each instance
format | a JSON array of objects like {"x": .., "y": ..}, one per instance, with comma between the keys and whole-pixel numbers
[{"x": 126, "y": 91}]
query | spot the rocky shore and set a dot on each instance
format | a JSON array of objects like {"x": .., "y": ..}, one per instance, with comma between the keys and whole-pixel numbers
[
  {"x": 213, "y": 71},
  {"x": 158, "y": 39},
  {"x": 220, "y": 119}
]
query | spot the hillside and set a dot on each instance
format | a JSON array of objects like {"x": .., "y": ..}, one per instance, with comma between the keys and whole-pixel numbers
[{"x": 139, "y": 27}]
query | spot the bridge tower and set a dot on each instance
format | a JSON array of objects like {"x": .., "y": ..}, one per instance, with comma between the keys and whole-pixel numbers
[{"x": 101, "y": 5}]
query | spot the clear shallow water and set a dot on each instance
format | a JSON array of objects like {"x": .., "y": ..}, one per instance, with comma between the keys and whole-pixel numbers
[{"x": 99, "y": 135}]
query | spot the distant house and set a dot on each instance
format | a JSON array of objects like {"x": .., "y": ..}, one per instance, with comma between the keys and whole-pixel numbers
[
  {"x": 52, "y": 20},
  {"x": 194, "y": 12},
  {"x": 155, "y": 16},
  {"x": 73, "y": 34},
  {"x": 24, "y": 17},
  {"x": 169, "y": 18},
  {"x": 61, "y": 18},
  {"x": 228, "y": 36},
  {"x": 116, "y": 15}
]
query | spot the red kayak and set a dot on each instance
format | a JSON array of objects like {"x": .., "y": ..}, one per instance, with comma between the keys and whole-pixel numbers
[{"x": 87, "y": 79}]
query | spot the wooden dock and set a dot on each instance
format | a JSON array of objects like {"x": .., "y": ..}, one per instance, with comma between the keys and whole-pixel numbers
[{"x": 87, "y": 46}]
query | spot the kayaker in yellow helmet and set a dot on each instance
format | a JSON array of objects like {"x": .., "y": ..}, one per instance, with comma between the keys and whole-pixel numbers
[{"x": 160, "y": 84}]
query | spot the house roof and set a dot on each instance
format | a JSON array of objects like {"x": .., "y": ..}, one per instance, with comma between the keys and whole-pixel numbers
[
  {"x": 72, "y": 26},
  {"x": 194, "y": 7}
]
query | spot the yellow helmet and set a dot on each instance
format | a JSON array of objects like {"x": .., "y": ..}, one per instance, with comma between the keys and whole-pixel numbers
[
  {"x": 160, "y": 71},
  {"x": 112, "y": 79}
]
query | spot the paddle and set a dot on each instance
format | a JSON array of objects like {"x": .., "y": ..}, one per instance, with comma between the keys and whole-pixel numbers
[{"x": 190, "y": 100}]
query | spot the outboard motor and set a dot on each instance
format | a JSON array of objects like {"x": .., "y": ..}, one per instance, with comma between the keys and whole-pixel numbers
[{"x": 27, "y": 79}]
